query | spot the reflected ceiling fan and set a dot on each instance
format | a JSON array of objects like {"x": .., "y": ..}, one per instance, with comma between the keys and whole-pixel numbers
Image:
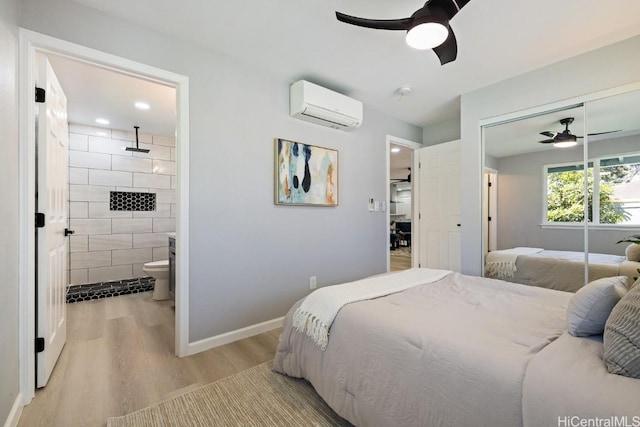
[
  {"x": 399, "y": 180},
  {"x": 427, "y": 28},
  {"x": 566, "y": 138}
]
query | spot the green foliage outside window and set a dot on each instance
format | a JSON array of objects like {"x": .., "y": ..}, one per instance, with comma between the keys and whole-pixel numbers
[{"x": 565, "y": 199}]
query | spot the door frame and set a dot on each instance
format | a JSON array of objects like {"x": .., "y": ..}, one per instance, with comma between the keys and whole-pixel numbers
[
  {"x": 30, "y": 43},
  {"x": 413, "y": 146},
  {"x": 490, "y": 209}
]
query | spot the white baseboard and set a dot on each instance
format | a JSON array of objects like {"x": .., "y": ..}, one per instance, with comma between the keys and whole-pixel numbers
[
  {"x": 14, "y": 414},
  {"x": 229, "y": 337}
]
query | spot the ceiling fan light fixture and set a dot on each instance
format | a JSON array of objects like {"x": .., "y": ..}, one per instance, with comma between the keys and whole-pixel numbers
[
  {"x": 427, "y": 35},
  {"x": 565, "y": 144}
]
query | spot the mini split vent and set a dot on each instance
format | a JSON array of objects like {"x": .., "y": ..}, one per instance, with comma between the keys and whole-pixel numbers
[{"x": 325, "y": 107}]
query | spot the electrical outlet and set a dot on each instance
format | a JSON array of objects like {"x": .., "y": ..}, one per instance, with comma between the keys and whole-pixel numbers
[{"x": 312, "y": 282}]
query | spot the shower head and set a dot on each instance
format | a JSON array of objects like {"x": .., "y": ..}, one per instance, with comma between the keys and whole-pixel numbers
[{"x": 137, "y": 149}]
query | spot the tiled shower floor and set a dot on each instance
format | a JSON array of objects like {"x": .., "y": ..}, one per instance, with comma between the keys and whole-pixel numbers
[{"x": 77, "y": 293}]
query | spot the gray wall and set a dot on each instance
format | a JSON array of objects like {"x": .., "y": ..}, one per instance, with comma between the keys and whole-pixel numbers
[
  {"x": 9, "y": 214},
  {"x": 442, "y": 132},
  {"x": 598, "y": 70},
  {"x": 249, "y": 259},
  {"x": 520, "y": 198}
]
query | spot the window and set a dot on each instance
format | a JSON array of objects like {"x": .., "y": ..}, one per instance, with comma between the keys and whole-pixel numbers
[{"x": 613, "y": 191}]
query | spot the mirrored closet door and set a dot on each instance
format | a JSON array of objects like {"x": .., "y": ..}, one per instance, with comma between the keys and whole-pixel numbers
[
  {"x": 561, "y": 188},
  {"x": 534, "y": 199},
  {"x": 613, "y": 135}
]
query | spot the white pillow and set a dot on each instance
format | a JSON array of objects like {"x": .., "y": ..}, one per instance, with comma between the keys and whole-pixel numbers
[
  {"x": 591, "y": 306},
  {"x": 633, "y": 252}
]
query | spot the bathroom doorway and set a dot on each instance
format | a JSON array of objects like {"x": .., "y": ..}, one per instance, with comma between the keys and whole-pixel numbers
[
  {"x": 122, "y": 181},
  {"x": 32, "y": 44}
]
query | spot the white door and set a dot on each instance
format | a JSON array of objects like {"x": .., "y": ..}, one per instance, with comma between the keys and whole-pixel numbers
[
  {"x": 439, "y": 206},
  {"x": 52, "y": 201}
]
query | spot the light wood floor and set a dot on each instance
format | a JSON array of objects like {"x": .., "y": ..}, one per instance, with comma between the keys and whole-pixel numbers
[
  {"x": 119, "y": 358},
  {"x": 399, "y": 262}
]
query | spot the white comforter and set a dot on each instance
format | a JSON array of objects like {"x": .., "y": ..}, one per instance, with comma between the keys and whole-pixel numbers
[
  {"x": 568, "y": 380},
  {"x": 317, "y": 312},
  {"x": 449, "y": 353}
]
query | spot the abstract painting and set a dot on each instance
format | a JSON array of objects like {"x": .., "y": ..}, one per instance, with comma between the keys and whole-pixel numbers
[{"x": 305, "y": 174}]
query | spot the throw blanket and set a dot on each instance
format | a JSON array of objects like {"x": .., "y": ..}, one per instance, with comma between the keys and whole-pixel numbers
[
  {"x": 317, "y": 312},
  {"x": 502, "y": 264}
]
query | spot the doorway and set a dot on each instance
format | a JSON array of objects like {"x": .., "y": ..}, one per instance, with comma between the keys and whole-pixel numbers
[
  {"x": 401, "y": 199},
  {"x": 32, "y": 44}
]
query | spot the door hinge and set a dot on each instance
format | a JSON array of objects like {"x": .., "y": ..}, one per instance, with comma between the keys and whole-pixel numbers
[
  {"x": 489, "y": 218},
  {"x": 419, "y": 216},
  {"x": 39, "y": 345},
  {"x": 490, "y": 184},
  {"x": 40, "y": 221},
  {"x": 40, "y": 95}
]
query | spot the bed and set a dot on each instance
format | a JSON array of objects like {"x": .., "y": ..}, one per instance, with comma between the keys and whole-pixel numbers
[
  {"x": 458, "y": 351},
  {"x": 560, "y": 270}
]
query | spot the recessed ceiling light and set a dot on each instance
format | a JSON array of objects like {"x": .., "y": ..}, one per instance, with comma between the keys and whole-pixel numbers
[
  {"x": 102, "y": 121},
  {"x": 101, "y": 133},
  {"x": 395, "y": 150},
  {"x": 142, "y": 105}
]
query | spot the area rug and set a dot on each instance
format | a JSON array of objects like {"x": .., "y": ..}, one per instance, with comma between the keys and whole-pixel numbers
[{"x": 255, "y": 397}]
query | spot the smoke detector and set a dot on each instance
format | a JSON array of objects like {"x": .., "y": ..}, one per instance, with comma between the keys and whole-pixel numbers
[{"x": 402, "y": 91}]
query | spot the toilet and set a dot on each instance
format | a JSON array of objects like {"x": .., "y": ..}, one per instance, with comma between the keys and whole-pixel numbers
[{"x": 159, "y": 270}]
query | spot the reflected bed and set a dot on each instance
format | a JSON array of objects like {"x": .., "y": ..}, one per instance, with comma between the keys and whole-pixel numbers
[{"x": 559, "y": 270}]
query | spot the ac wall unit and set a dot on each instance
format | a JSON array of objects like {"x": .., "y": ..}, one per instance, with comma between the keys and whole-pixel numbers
[{"x": 322, "y": 106}]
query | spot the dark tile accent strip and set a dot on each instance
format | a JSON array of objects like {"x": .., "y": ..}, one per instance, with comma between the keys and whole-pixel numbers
[
  {"x": 131, "y": 201},
  {"x": 89, "y": 291}
]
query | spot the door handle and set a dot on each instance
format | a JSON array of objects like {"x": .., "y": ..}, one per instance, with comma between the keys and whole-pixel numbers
[{"x": 67, "y": 232}]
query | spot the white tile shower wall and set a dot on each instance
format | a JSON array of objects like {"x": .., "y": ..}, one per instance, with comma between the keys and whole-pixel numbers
[{"x": 113, "y": 245}]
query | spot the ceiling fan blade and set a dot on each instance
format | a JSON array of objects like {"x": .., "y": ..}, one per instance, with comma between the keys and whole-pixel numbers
[
  {"x": 461, "y": 3},
  {"x": 378, "y": 24},
  {"x": 450, "y": 7},
  {"x": 549, "y": 134},
  {"x": 447, "y": 51},
  {"x": 547, "y": 141},
  {"x": 602, "y": 133}
]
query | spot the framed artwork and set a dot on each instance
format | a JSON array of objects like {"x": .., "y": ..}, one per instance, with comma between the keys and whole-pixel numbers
[{"x": 305, "y": 174}]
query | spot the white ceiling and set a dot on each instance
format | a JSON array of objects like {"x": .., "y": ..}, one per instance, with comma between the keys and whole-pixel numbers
[
  {"x": 293, "y": 39},
  {"x": 400, "y": 162},
  {"x": 93, "y": 92},
  {"x": 617, "y": 113}
]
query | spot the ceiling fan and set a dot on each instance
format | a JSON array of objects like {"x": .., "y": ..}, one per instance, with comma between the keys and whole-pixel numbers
[
  {"x": 427, "y": 28},
  {"x": 399, "y": 180},
  {"x": 566, "y": 138}
]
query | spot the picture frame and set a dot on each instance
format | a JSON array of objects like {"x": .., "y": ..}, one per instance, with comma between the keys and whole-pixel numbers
[{"x": 305, "y": 175}]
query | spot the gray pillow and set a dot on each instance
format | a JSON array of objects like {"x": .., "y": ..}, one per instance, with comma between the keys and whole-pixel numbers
[
  {"x": 622, "y": 336},
  {"x": 591, "y": 306}
]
